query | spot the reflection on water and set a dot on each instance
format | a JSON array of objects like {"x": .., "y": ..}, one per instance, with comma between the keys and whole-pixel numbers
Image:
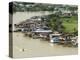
[{"x": 24, "y": 46}]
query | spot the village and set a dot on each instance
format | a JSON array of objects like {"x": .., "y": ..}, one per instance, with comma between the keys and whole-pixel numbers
[{"x": 37, "y": 28}]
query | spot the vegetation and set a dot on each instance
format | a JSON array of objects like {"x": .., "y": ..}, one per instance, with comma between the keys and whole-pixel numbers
[
  {"x": 24, "y": 6},
  {"x": 56, "y": 24},
  {"x": 68, "y": 25}
]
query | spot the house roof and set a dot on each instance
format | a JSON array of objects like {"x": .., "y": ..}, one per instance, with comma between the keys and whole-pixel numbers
[{"x": 41, "y": 30}]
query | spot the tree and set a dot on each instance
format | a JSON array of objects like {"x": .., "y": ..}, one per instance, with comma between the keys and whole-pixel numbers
[{"x": 56, "y": 24}]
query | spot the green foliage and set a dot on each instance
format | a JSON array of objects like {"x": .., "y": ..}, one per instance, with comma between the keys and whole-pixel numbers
[
  {"x": 60, "y": 24},
  {"x": 56, "y": 24},
  {"x": 24, "y": 6},
  {"x": 71, "y": 25}
]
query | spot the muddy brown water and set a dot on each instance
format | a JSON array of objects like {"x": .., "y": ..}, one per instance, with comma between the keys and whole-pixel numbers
[{"x": 24, "y": 46}]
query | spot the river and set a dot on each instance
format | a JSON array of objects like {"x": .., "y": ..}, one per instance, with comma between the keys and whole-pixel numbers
[{"x": 36, "y": 47}]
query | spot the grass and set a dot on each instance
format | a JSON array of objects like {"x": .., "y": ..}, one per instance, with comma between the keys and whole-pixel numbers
[{"x": 70, "y": 23}]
